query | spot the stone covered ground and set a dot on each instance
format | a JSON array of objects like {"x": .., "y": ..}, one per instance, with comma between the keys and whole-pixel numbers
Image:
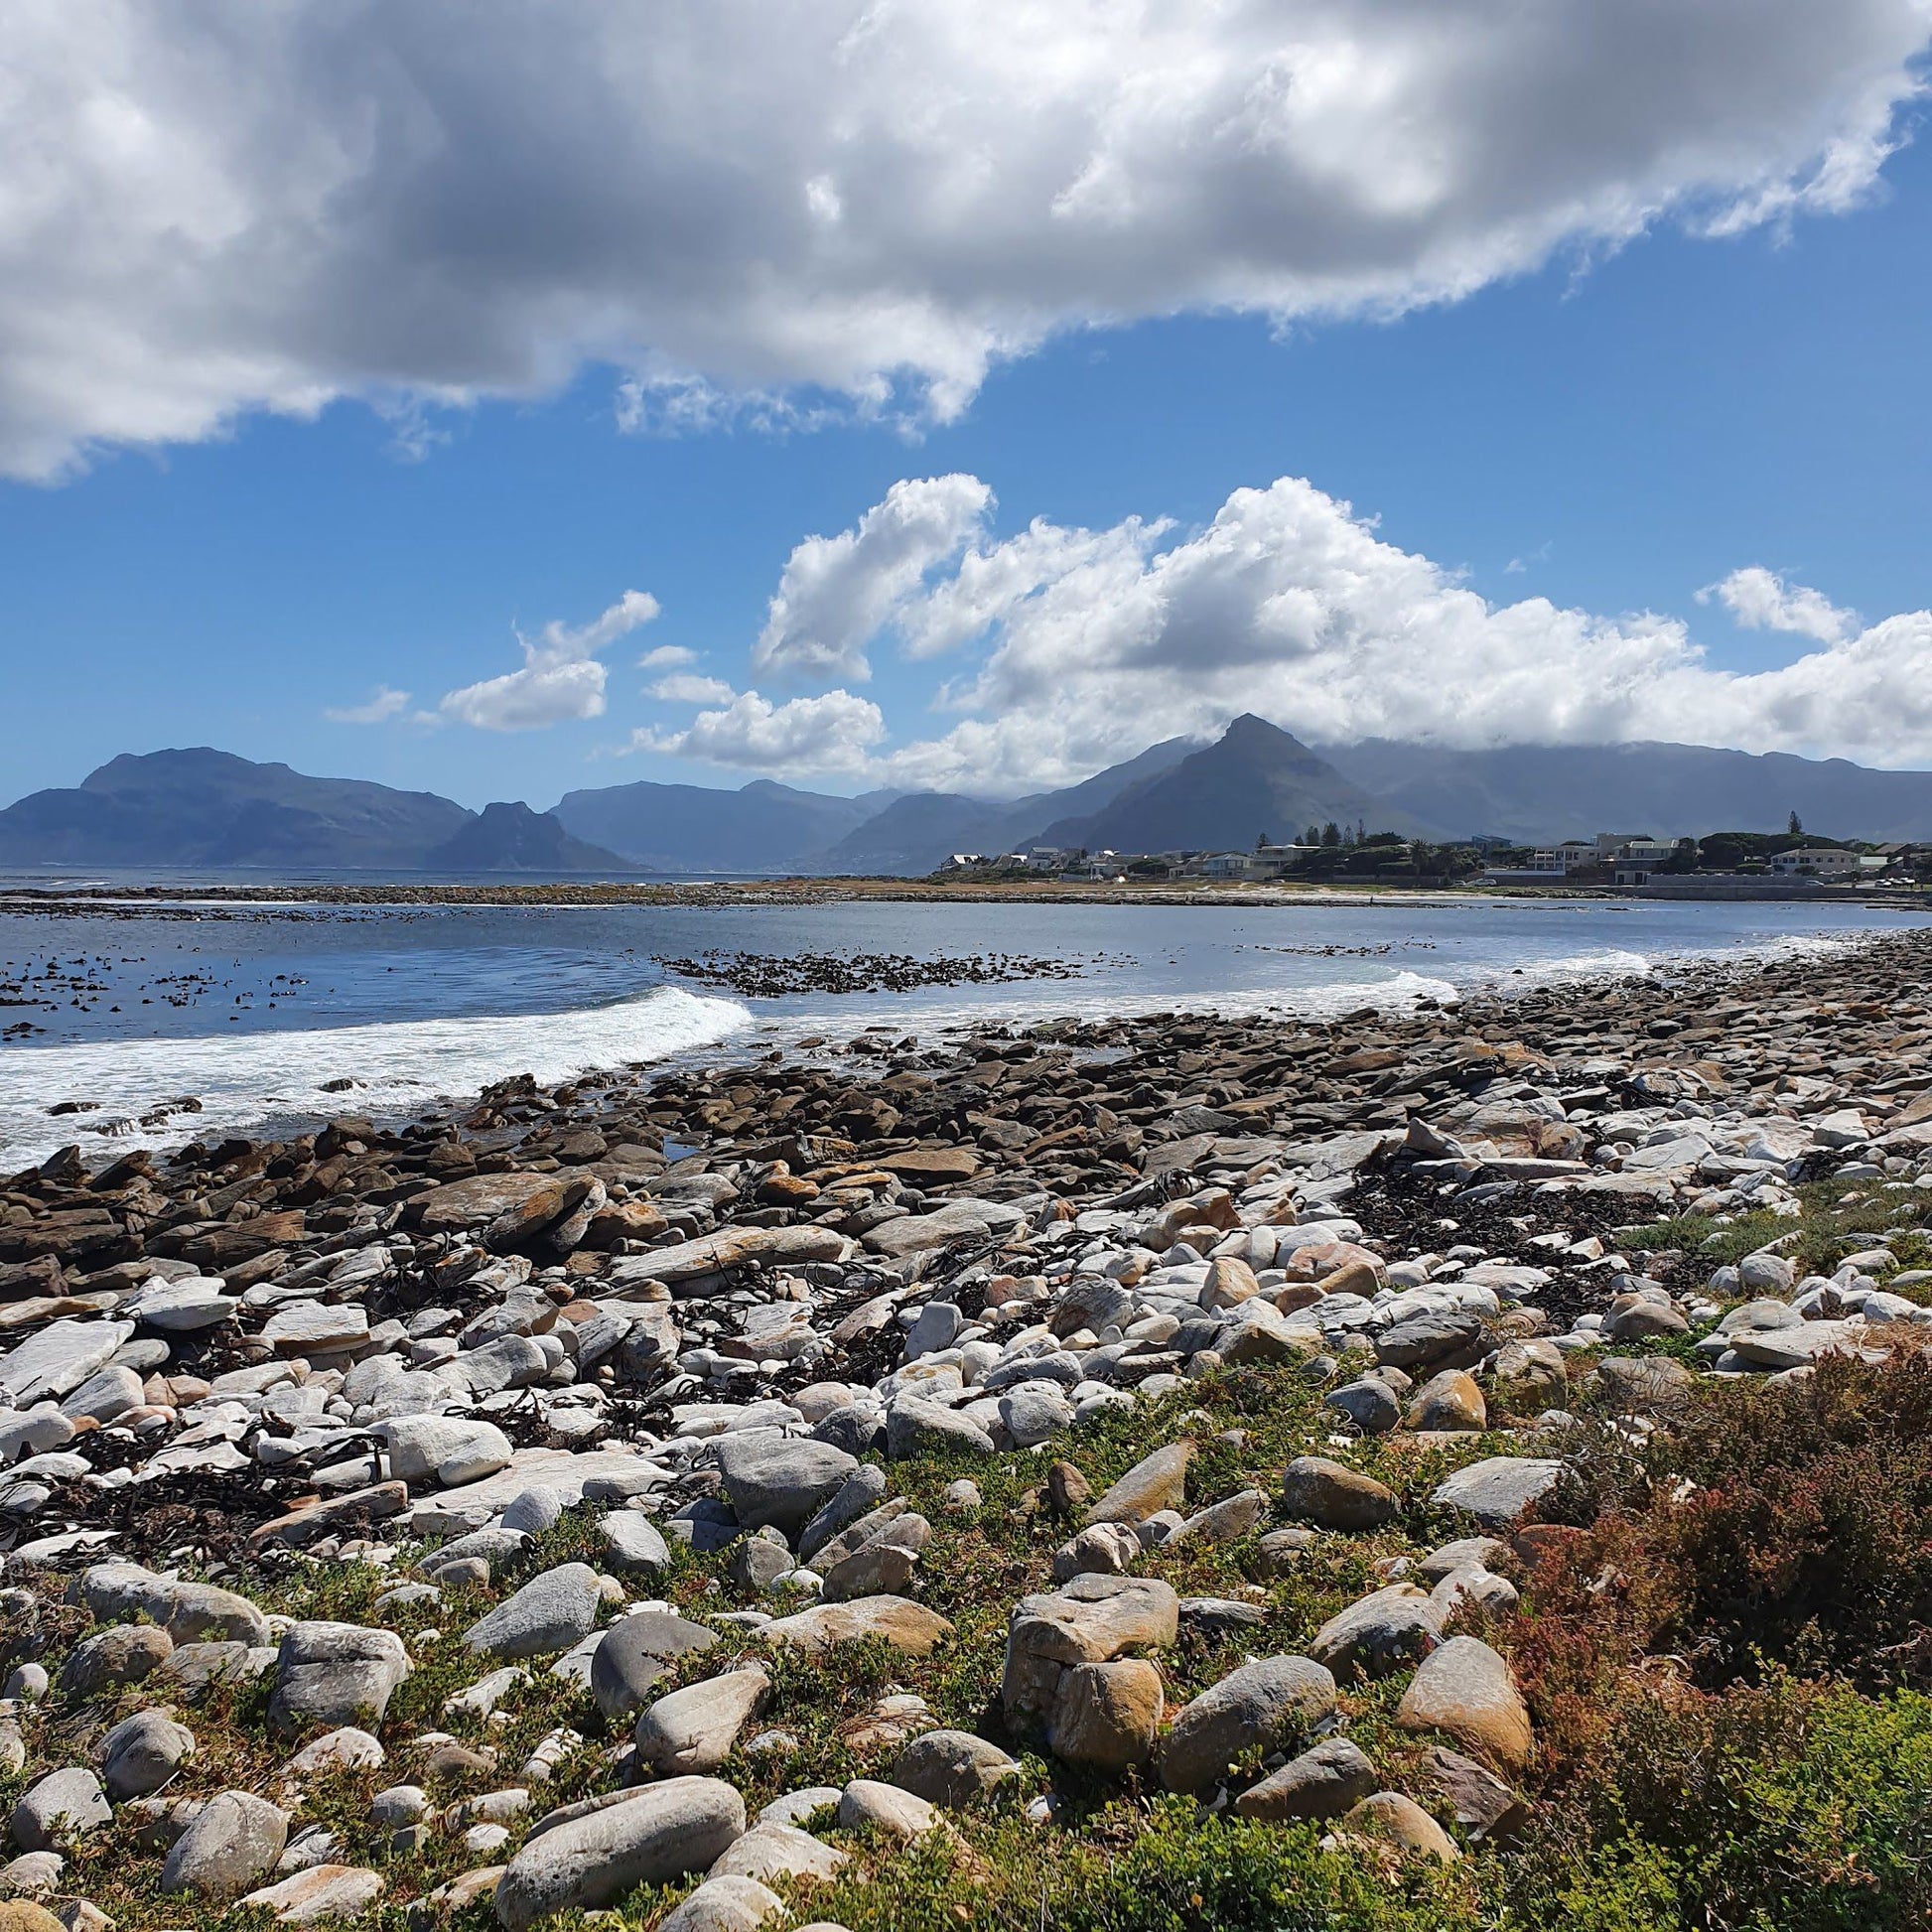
[{"x": 1469, "y": 1468}]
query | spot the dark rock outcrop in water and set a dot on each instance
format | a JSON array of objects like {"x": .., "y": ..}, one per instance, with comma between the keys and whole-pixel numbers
[{"x": 513, "y": 837}]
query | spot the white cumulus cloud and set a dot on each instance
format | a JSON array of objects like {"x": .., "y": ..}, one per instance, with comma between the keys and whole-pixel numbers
[
  {"x": 1078, "y": 647},
  {"x": 832, "y": 734},
  {"x": 667, "y": 657},
  {"x": 561, "y": 678},
  {"x": 753, "y": 210},
  {"x": 684, "y": 687},
  {"x": 1761, "y": 600},
  {"x": 836, "y": 592},
  {"x": 383, "y": 705}
]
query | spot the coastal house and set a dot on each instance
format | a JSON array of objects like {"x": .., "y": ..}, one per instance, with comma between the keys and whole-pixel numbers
[
  {"x": 1272, "y": 861},
  {"x": 1824, "y": 861},
  {"x": 1228, "y": 864}
]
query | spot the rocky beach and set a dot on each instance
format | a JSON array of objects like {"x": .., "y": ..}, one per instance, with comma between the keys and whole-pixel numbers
[{"x": 1162, "y": 1471}]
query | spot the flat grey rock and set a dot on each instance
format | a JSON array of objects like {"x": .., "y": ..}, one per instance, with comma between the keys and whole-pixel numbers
[
  {"x": 680, "y": 1826},
  {"x": 549, "y": 1613},
  {"x": 779, "y": 1480},
  {"x": 1497, "y": 1490}
]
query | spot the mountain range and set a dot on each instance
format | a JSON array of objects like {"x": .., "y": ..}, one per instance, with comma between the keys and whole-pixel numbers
[{"x": 202, "y": 809}]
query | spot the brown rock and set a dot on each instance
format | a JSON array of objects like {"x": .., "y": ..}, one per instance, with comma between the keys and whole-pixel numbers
[
  {"x": 932, "y": 1164},
  {"x": 1107, "y": 1714},
  {"x": 1334, "y": 1495},
  {"x": 1449, "y": 1401},
  {"x": 1069, "y": 1490},
  {"x": 1484, "y": 1806},
  {"x": 1155, "y": 1482},
  {"x": 1400, "y": 1822},
  {"x": 1229, "y": 1282},
  {"x": 904, "y": 1626},
  {"x": 1465, "y": 1688}
]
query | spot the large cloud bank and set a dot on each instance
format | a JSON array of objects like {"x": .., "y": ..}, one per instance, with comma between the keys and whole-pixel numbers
[
  {"x": 233, "y": 205},
  {"x": 1077, "y": 647}
]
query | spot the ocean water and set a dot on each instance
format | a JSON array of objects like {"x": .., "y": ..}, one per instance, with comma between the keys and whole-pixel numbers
[{"x": 260, "y": 1010}]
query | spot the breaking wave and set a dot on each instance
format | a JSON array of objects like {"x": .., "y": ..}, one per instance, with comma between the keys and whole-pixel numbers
[{"x": 397, "y": 1065}]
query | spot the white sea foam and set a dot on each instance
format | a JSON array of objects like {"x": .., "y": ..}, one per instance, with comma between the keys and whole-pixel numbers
[
  {"x": 1393, "y": 992},
  {"x": 397, "y": 1066},
  {"x": 1605, "y": 962}
]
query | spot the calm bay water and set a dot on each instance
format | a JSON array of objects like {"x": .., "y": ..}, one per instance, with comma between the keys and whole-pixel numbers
[{"x": 252, "y": 1008}]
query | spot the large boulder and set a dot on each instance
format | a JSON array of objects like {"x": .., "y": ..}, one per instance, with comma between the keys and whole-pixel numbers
[
  {"x": 142, "y": 1752},
  {"x": 952, "y": 1768},
  {"x": 1106, "y": 1716},
  {"x": 1498, "y": 1490},
  {"x": 1383, "y": 1631},
  {"x": 318, "y": 1893},
  {"x": 1249, "y": 1714},
  {"x": 329, "y": 1674},
  {"x": 232, "y": 1841},
  {"x": 734, "y": 1901},
  {"x": 1335, "y": 1496},
  {"x": 1324, "y": 1782},
  {"x": 551, "y": 1613},
  {"x": 1394, "y": 1820},
  {"x": 60, "y": 1807},
  {"x": 899, "y": 1621},
  {"x": 188, "y": 1612},
  {"x": 445, "y": 1449},
  {"x": 636, "y": 1654},
  {"x": 779, "y": 1480},
  {"x": 1155, "y": 1482},
  {"x": 1465, "y": 1690},
  {"x": 1094, "y": 1620},
  {"x": 773, "y": 1849},
  {"x": 680, "y": 1826},
  {"x": 729, "y": 1248},
  {"x": 695, "y": 1729},
  {"x": 916, "y": 1425}
]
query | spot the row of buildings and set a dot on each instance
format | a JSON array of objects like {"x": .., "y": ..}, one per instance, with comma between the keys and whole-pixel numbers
[
  {"x": 1630, "y": 859},
  {"x": 1620, "y": 859}
]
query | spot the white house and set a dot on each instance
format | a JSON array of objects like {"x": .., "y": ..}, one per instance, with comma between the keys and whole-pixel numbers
[{"x": 1817, "y": 862}]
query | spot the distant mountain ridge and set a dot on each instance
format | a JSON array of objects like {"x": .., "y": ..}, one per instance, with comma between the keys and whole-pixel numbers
[
  {"x": 1255, "y": 781},
  {"x": 923, "y": 830},
  {"x": 203, "y": 808},
  {"x": 513, "y": 837},
  {"x": 1541, "y": 793},
  {"x": 760, "y": 827}
]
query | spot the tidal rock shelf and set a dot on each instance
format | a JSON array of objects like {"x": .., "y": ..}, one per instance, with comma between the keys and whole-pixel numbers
[{"x": 936, "y": 1480}]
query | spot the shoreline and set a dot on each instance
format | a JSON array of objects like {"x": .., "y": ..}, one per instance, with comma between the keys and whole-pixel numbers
[
  {"x": 1176, "y": 1332},
  {"x": 767, "y": 1033},
  {"x": 699, "y": 893}
]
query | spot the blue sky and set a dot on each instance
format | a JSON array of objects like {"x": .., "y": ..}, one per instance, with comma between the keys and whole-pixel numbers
[{"x": 1614, "y": 431}]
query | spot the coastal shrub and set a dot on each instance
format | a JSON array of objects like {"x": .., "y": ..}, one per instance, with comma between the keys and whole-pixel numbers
[
  {"x": 1781, "y": 1523},
  {"x": 1777, "y": 1807}
]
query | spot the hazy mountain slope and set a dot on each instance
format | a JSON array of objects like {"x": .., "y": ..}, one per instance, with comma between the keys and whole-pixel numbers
[
  {"x": 201, "y": 807},
  {"x": 513, "y": 837},
  {"x": 761, "y": 827},
  {"x": 915, "y": 833},
  {"x": 1539, "y": 793},
  {"x": 1255, "y": 779}
]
